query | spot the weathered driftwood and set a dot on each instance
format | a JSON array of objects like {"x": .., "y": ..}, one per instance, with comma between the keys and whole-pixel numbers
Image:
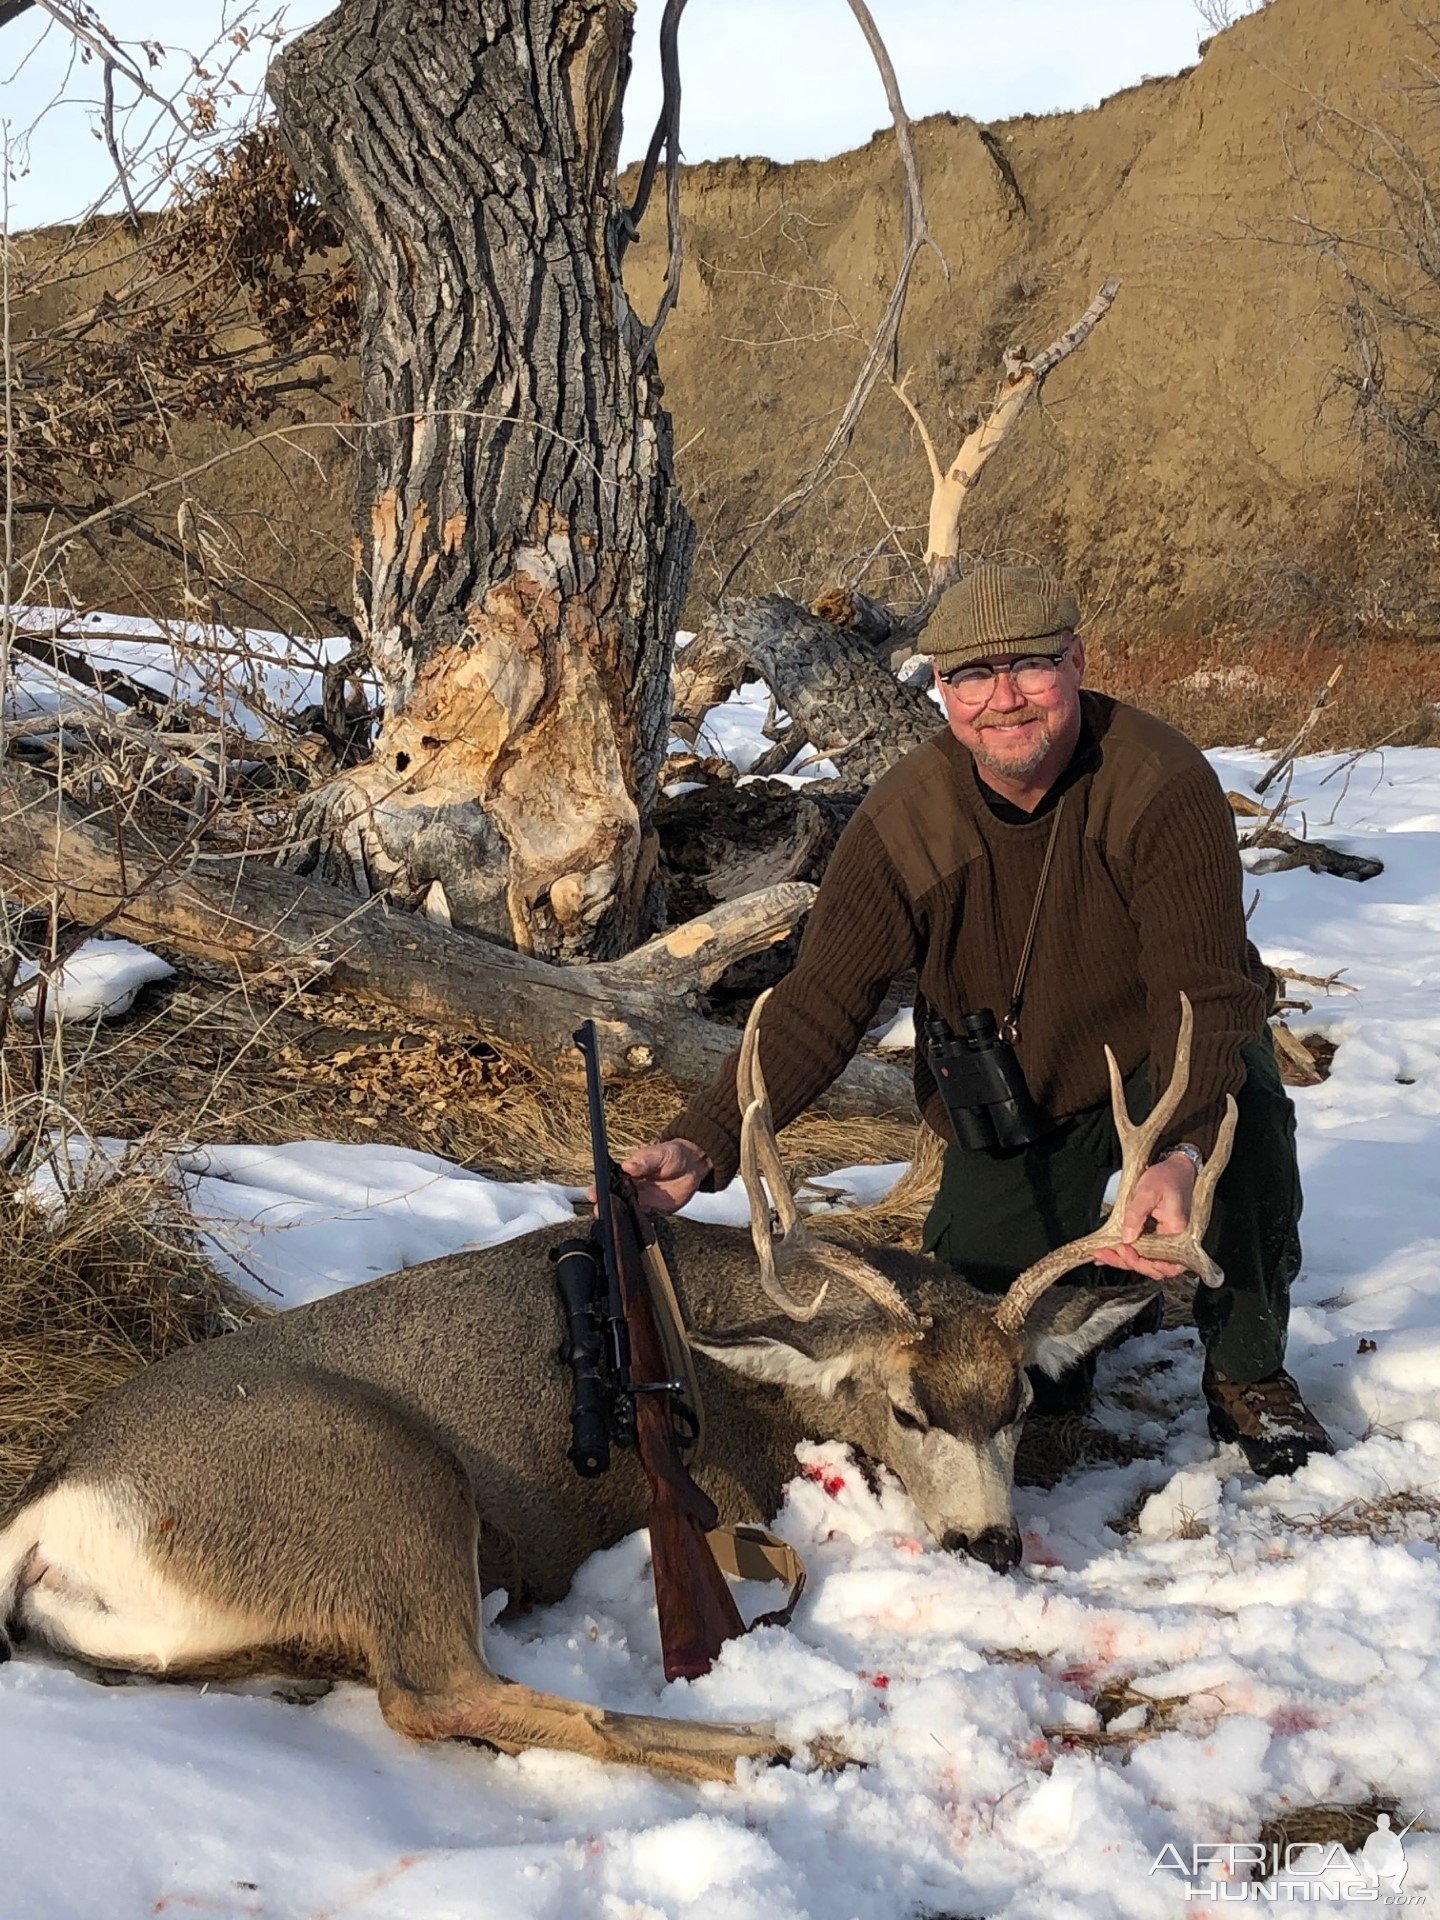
[{"x": 267, "y": 924}]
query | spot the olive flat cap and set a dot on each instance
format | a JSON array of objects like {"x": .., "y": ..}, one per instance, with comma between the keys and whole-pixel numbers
[{"x": 997, "y": 609}]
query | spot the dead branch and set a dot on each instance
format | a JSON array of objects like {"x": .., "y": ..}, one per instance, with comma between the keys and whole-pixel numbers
[
  {"x": 1294, "y": 852},
  {"x": 1022, "y": 382},
  {"x": 1306, "y": 728},
  {"x": 1328, "y": 982},
  {"x": 668, "y": 130},
  {"x": 918, "y": 241},
  {"x": 269, "y": 927},
  {"x": 1296, "y": 1055},
  {"x": 1314, "y": 854}
]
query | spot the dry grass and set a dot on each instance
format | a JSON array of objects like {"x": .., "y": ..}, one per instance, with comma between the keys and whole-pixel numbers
[
  {"x": 168, "y": 1071},
  {"x": 1232, "y": 689},
  {"x": 1326, "y": 1824},
  {"x": 1408, "y": 1514},
  {"x": 88, "y": 1296}
]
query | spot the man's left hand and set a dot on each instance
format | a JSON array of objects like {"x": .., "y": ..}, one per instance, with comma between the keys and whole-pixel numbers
[{"x": 1159, "y": 1204}]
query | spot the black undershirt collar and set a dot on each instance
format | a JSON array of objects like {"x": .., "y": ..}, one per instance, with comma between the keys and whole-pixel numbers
[{"x": 1075, "y": 768}]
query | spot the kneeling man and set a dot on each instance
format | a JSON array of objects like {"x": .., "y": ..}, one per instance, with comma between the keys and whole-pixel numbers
[{"x": 1069, "y": 863}]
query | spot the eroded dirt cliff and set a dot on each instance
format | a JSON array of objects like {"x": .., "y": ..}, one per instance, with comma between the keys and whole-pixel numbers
[{"x": 1200, "y": 463}]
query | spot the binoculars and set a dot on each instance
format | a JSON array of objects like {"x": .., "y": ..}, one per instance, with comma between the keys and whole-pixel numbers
[{"x": 981, "y": 1082}]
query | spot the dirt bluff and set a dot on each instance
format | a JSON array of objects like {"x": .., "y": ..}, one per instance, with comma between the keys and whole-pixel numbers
[{"x": 1199, "y": 463}]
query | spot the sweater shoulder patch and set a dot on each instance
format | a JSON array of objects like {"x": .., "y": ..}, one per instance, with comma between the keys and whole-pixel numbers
[
  {"x": 919, "y": 814},
  {"x": 1141, "y": 756}
]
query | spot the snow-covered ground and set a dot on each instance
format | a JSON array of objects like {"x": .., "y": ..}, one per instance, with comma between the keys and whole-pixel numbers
[
  {"x": 248, "y": 677},
  {"x": 1273, "y": 1656}
]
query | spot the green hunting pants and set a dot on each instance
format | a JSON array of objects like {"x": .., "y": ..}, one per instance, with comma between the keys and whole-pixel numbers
[{"x": 997, "y": 1212}]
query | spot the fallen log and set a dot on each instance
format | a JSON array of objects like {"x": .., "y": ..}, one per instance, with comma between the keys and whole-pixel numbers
[
  {"x": 834, "y": 686},
  {"x": 271, "y": 927}
]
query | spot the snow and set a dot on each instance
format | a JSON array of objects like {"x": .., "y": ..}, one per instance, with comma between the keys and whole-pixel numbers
[
  {"x": 99, "y": 980},
  {"x": 303, "y": 1219},
  {"x": 1280, "y": 1643},
  {"x": 246, "y": 676}
]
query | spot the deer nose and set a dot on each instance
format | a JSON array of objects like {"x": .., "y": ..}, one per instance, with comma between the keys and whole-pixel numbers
[{"x": 997, "y": 1547}]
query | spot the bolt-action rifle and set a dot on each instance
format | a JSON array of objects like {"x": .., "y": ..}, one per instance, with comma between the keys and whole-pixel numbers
[{"x": 626, "y": 1394}]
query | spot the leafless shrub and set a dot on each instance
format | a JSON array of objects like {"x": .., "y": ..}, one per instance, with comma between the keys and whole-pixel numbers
[{"x": 1219, "y": 14}]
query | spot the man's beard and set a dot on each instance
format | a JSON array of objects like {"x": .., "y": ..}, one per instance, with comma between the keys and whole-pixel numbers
[{"x": 1008, "y": 763}]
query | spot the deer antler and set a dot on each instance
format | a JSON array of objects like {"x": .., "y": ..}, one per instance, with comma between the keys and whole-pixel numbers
[
  {"x": 1137, "y": 1144},
  {"x": 761, "y": 1167}
]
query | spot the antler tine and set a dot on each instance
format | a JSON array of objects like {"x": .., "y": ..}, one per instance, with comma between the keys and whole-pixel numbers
[
  {"x": 1137, "y": 1144},
  {"x": 1168, "y": 1105},
  {"x": 754, "y": 1125},
  {"x": 868, "y": 1280},
  {"x": 761, "y": 1168},
  {"x": 754, "y": 1097}
]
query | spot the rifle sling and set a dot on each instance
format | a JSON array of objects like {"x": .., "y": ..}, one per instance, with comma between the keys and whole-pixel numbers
[
  {"x": 745, "y": 1552},
  {"x": 670, "y": 1325},
  {"x": 754, "y": 1553}
]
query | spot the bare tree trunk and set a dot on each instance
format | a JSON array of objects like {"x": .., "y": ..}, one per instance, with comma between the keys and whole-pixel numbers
[
  {"x": 521, "y": 550},
  {"x": 834, "y": 686}
]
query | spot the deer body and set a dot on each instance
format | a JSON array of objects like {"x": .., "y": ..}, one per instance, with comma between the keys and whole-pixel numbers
[
  {"x": 317, "y": 1489},
  {"x": 335, "y": 1486}
]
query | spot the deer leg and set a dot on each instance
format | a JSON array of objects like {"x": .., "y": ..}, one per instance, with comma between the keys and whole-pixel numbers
[
  {"x": 476, "y": 1704},
  {"x": 434, "y": 1683}
]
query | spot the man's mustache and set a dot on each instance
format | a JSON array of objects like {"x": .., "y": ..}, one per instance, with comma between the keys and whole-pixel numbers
[{"x": 1010, "y": 720}]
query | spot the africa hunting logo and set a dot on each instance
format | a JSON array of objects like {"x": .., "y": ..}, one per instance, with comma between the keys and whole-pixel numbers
[{"x": 1296, "y": 1871}]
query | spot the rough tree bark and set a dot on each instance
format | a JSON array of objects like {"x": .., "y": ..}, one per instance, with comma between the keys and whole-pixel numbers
[{"x": 521, "y": 551}]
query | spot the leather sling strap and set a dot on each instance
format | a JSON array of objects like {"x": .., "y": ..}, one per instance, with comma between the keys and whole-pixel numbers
[
  {"x": 1010, "y": 1026},
  {"x": 670, "y": 1323},
  {"x": 754, "y": 1553}
]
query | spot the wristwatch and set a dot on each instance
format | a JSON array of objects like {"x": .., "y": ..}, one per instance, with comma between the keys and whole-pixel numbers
[{"x": 1192, "y": 1154}]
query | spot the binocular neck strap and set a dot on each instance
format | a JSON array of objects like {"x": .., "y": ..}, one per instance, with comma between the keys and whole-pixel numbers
[{"x": 1010, "y": 1028}]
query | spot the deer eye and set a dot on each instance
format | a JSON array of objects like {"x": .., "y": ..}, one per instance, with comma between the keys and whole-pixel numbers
[{"x": 905, "y": 1418}]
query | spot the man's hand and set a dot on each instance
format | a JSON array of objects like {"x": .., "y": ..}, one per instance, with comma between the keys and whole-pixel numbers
[
  {"x": 1159, "y": 1204},
  {"x": 666, "y": 1174}
]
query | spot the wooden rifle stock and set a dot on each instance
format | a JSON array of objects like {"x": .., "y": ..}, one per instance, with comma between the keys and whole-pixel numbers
[{"x": 697, "y": 1613}]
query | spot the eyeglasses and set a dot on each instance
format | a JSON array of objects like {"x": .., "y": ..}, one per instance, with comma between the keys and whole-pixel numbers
[{"x": 1035, "y": 673}]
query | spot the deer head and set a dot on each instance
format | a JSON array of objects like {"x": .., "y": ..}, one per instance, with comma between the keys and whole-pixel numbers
[{"x": 912, "y": 1365}]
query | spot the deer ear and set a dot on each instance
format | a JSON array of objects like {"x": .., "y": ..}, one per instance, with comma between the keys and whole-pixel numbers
[
  {"x": 761, "y": 1356},
  {"x": 1068, "y": 1322}
]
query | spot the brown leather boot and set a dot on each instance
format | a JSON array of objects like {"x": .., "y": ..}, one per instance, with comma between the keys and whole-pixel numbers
[{"x": 1271, "y": 1424}]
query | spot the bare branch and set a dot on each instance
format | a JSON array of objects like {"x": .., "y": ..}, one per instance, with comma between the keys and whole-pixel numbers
[
  {"x": 670, "y": 125},
  {"x": 1023, "y": 380},
  {"x": 882, "y": 347}
]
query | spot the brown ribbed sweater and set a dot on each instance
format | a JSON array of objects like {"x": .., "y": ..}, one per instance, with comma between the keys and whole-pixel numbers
[{"x": 1143, "y": 899}]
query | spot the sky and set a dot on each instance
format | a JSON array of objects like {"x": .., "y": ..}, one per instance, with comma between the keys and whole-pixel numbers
[{"x": 789, "y": 78}]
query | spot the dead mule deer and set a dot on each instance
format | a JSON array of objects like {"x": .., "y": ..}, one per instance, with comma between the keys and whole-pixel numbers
[{"x": 335, "y": 1486}]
